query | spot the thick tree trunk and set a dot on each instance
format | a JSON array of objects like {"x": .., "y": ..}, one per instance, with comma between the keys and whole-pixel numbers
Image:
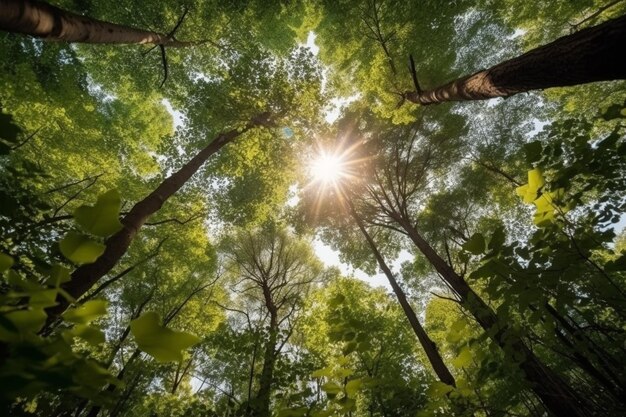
[
  {"x": 85, "y": 276},
  {"x": 42, "y": 20},
  {"x": 554, "y": 392},
  {"x": 592, "y": 54},
  {"x": 430, "y": 348}
]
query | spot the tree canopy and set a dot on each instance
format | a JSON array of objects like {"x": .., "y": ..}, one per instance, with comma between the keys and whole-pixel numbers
[{"x": 200, "y": 199}]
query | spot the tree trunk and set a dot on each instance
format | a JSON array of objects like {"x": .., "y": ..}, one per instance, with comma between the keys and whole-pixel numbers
[
  {"x": 554, "y": 392},
  {"x": 261, "y": 408},
  {"x": 42, "y": 20},
  {"x": 435, "y": 359},
  {"x": 85, "y": 276},
  {"x": 592, "y": 54}
]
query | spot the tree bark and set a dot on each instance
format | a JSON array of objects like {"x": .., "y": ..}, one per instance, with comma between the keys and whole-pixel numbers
[
  {"x": 590, "y": 55},
  {"x": 261, "y": 408},
  {"x": 85, "y": 276},
  {"x": 430, "y": 348},
  {"x": 43, "y": 20},
  {"x": 554, "y": 392}
]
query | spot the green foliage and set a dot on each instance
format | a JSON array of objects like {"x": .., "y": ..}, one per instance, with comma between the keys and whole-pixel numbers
[
  {"x": 102, "y": 219},
  {"x": 163, "y": 344},
  {"x": 80, "y": 249}
]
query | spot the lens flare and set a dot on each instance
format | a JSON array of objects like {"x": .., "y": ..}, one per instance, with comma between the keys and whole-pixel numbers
[{"x": 327, "y": 168}]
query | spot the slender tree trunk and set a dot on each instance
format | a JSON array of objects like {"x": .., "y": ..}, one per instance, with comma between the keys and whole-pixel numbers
[
  {"x": 43, "y": 20},
  {"x": 262, "y": 406},
  {"x": 590, "y": 55},
  {"x": 554, "y": 392},
  {"x": 435, "y": 359},
  {"x": 95, "y": 410},
  {"x": 85, "y": 276}
]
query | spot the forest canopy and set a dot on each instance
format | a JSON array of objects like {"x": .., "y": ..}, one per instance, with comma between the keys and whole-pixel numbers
[{"x": 312, "y": 208}]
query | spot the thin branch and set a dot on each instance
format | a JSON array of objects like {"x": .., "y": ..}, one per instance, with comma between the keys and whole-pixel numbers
[
  {"x": 418, "y": 89},
  {"x": 574, "y": 26},
  {"x": 22, "y": 143},
  {"x": 445, "y": 298},
  {"x": 164, "y": 61}
]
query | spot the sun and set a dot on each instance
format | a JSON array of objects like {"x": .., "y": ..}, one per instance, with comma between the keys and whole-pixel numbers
[{"x": 327, "y": 168}]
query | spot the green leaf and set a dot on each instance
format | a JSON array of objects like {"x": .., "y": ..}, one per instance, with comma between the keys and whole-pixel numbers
[
  {"x": 618, "y": 264},
  {"x": 43, "y": 298},
  {"x": 331, "y": 388},
  {"x": 439, "y": 389},
  {"x": 103, "y": 218},
  {"x": 344, "y": 372},
  {"x": 475, "y": 245},
  {"x": 533, "y": 151},
  {"x": 26, "y": 321},
  {"x": 615, "y": 111},
  {"x": 293, "y": 412},
  {"x": 87, "y": 312},
  {"x": 163, "y": 344},
  {"x": 80, "y": 249},
  {"x": 58, "y": 275},
  {"x": 497, "y": 239},
  {"x": 89, "y": 334},
  {"x": 353, "y": 386},
  {"x": 328, "y": 371},
  {"x": 464, "y": 358},
  {"x": 9, "y": 131},
  {"x": 6, "y": 262},
  {"x": 349, "y": 348}
]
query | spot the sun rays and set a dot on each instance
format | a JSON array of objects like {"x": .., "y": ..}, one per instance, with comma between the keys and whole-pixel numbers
[{"x": 332, "y": 171}]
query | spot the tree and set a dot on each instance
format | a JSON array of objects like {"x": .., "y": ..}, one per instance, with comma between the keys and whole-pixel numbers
[
  {"x": 43, "y": 20},
  {"x": 84, "y": 277},
  {"x": 583, "y": 57},
  {"x": 276, "y": 270},
  {"x": 396, "y": 181}
]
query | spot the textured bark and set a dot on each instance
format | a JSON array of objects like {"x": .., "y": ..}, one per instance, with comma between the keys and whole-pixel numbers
[
  {"x": 85, "y": 276},
  {"x": 42, "y": 20},
  {"x": 590, "y": 55},
  {"x": 554, "y": 392},
  {"x": 261, "y": 408},
  {"x": 430, "y": 348}
]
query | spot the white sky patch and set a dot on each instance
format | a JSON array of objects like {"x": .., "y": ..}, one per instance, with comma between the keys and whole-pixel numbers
[
  {"x": 310, "y": 43},
  {"x": 293, "y": 198},
  {"x": 517, "y": 33},
  {"x": 330, "y": 257},
  {"x": 178, "y": 117},
  {"x": 336, "y": 107},
  {"x": 538, "y": 126}
]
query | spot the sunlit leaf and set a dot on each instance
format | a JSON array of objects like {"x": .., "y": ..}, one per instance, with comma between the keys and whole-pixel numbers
[
  {"x": 80, "y": 249},
  {"x": 163, "y": 344},
  {"x": 102, "y": 219},
  {"x": 87, "y": 312},
  {"x": 6, "y": 262}
]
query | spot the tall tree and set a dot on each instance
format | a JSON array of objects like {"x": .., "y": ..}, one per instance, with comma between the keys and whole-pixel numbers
[
  {"x": 400, "y": 166},
  {"x": 430, "y": 348},
  {"x": 277, "y": 270},
  {"x": 583, "y": 57},
  {"x": 43, "y": 20},
  {"x": 85, "y": 276}
]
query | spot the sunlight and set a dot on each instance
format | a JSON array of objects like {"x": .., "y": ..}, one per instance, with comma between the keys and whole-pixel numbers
[{"x": 328, "y": 168}]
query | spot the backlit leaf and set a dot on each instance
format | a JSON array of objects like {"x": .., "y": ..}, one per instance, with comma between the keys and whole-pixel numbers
[
  {"x": 163, "y": 344},
  {"x": 102, "y": 219},
  {"x": 80, "y": 249}
]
